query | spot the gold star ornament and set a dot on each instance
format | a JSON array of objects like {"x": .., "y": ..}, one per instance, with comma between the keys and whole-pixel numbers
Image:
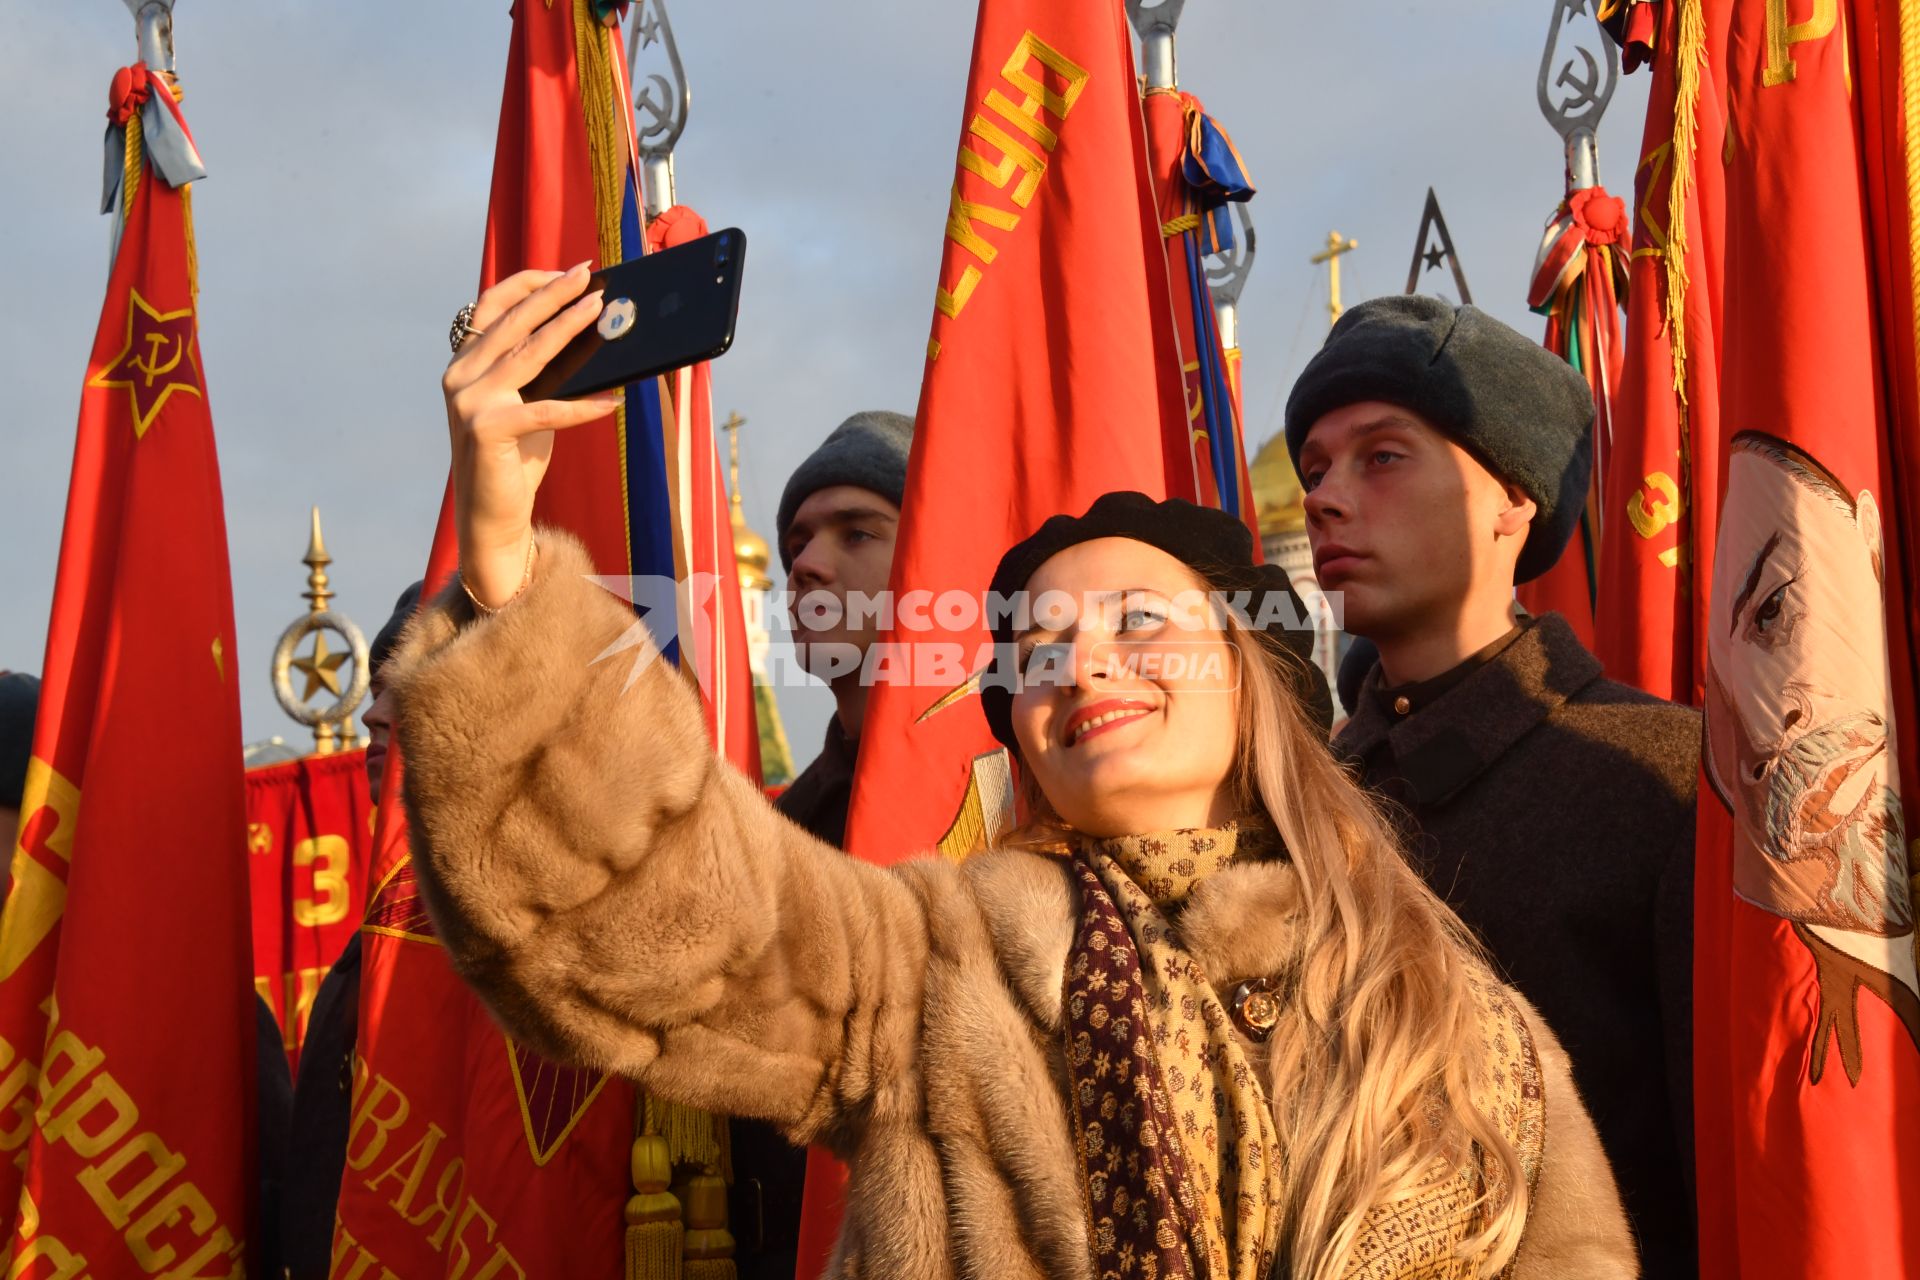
[{"x": 321, "y": 668}]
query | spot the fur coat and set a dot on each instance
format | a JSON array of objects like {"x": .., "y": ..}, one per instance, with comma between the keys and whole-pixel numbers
[{"x": 624, "y": 900}]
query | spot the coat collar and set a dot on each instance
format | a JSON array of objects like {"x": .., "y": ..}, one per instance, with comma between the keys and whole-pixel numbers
[
  {"x": 1239, "y": 922},
  {"x": 1440, "y": 749}
]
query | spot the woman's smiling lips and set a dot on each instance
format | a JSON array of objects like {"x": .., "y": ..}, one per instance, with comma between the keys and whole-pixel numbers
[{"x": 1098, "y": 717}]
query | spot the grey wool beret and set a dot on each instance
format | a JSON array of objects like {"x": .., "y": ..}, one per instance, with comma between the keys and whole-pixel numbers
[
  {"x": 868, "y": 450},
  {"x": 1525, "y": 413}
]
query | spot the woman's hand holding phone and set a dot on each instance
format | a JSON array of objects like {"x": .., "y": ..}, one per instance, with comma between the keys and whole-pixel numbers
[{"x": 501, "y": 443}]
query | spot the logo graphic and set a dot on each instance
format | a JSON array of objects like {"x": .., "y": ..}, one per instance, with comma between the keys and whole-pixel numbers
[{"x": 616, "y": 321}]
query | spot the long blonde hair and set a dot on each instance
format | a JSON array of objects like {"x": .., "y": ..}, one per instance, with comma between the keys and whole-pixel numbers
[{"x": 1373, "y": 1077}]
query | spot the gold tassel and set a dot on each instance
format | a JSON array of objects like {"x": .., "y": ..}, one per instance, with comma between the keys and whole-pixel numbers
[
  {"x": 709, "y": 1245},
  {"x": 693, "y": 1136},
  {"x": 654, "y": 1237},
  {"x": 193, "y": 254},
  {"x": 1910, "y": 110},
  {"x": 605, "y": 146},
  {"x": 130, "y": 172},
  {"x": 1689, "y": 60}
]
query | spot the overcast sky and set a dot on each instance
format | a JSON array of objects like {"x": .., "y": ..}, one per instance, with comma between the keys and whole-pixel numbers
[{"x": 349, "y": 145}]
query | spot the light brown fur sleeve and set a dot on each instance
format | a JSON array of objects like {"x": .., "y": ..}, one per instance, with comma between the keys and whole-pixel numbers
[
  {"x": 624, "y": 900},
  {"x": 1576, "y": 1227}
]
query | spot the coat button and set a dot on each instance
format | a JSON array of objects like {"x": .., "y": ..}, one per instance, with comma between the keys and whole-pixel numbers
[{"x": 1403, "y": 704}]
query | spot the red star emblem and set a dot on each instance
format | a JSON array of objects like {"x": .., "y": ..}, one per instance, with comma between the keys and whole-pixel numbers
[{"x": 158, "y": 360}]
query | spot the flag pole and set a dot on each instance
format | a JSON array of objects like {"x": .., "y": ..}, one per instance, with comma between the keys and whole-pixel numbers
[
  {"x": 661, "y": 102},
  {"x": 153, "y": 23},
  {"x": 153, "y": 33},
  {"x": 1579, "y": 281},
  {"x": 1154, "y": 22},
  {"x": 1577, "y": 94}
]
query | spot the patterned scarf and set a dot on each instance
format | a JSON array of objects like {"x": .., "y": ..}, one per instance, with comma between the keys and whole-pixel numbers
[{"x": 1176, "y": 1139}]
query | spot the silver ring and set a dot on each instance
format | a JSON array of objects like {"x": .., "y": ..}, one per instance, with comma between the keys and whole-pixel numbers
[{"x": 463, "y": 327}]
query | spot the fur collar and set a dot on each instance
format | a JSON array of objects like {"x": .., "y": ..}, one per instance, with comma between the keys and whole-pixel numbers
[{"x": 1238, "y": 923}]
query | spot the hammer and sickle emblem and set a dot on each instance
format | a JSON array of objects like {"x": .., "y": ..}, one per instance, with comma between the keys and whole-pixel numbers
[
  {"x": 49, "y": 808},
  {"x": 149, "y": 366},
  {"x": 1649, "y": 518},
  {"x": 1585, "y": 88}
]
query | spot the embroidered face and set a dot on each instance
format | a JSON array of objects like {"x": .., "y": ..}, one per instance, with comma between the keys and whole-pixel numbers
[
  {"x": 1798, "y": 693},
  {"x": 1799, "y": 746},
  {"x": 1127, "y": 712},
  {"x": 1403, "y": 522}
]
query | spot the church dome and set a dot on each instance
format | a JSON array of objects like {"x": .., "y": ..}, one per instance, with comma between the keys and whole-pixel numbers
[
  {"x": 751, "y": 551},
  {"x": 1278, "y": 500}
]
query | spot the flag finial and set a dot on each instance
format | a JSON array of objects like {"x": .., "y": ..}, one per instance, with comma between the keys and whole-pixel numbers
[{"x": 332, "y": 725}]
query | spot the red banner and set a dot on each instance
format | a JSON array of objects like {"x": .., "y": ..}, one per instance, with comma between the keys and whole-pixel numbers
[
  {"x": 1658, "y": 469},
  {"x": 309, "y": 834},
  {"x": 1809, "y": 1105},
  {"x": 127, "y": 1029},
  {"x": 713, "y": 621},
  {"x": 1211, "y": 402},
  {"x": 468, "y": 1154},
  {"x": 1052, "y": 377},
  {"x": 1166, "y": 127}
]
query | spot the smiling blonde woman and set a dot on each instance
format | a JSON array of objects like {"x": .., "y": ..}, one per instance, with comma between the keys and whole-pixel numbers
[{"x": 1197, "y": 1019}]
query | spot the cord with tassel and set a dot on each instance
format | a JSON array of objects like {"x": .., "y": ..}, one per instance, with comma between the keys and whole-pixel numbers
[
  {"x": 654, "y": 1235},
  {"x": 709, "y": 1245}
]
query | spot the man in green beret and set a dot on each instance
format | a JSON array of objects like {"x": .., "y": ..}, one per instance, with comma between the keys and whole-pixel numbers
[{"x": 1445, "y": 458}]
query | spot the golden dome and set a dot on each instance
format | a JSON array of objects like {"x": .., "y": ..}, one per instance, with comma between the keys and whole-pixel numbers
[
  {"x": 751, "y": 551},
  {"x": 1278, "y": 499}
]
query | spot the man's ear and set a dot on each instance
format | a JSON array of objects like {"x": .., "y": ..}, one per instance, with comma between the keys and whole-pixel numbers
[{"x": 1518, "y": 512}]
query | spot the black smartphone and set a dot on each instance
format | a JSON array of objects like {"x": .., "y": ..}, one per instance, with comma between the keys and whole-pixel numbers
[{"x": 659, "y": 313}]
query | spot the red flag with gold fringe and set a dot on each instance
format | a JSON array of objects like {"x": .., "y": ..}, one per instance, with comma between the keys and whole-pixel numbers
[
  {"x": 1197, "y": 172},
  {"x": 309, "y": 834},
  {"x": 1657, "y": 469},
  {"x": 549, "y": 1152},
  {"x": 1807, "y": 989},
  {"x": 469, "y": 1154},
  {"x": 1052, "y": 377},
  {"x": 127, "y": 1029}
]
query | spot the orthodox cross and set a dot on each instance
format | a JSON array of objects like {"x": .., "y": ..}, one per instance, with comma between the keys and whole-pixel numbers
[
  {"x": 732, "y": 427},
  {"x": 1337, "y": 244}
]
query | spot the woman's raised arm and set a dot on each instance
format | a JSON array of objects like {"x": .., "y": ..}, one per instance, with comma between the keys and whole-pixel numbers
[{"x": 623, "y": 899}]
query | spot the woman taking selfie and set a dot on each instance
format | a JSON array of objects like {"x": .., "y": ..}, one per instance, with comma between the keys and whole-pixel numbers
[{"x": 1197, "y": 1019}]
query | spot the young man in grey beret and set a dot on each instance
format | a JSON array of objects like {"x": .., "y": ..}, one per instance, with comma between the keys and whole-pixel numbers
[
  {"x": 1446, "y": 458},
  {"x": 835, "y": 531}
]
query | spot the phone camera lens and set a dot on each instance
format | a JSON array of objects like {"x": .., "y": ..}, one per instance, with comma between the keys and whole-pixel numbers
[{"x": 721, "y": 254}]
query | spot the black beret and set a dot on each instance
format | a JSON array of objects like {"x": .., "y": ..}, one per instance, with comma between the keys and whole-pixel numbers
[
  {"x": 1525, "y": 413},
  {"x": 383, "y": 644},
  {"x": 1211, "y": 542},
  {"x": 19, "y": 707}
]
